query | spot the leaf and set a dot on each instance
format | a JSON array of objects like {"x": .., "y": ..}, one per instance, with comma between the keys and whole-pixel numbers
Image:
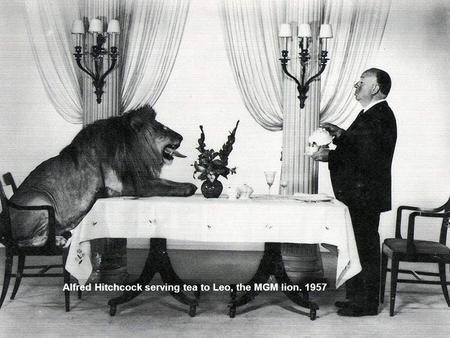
[
  {"x": 228, "y": 146},
  {"x": 217, "y": 162},
  {"x": 201, "y": 141}
]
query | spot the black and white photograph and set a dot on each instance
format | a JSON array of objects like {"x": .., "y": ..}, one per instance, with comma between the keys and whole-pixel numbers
[{"x": 224, "y": 168}]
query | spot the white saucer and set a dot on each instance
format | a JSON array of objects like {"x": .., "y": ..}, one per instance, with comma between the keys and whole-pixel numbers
[{"x": 312, "y": 197}]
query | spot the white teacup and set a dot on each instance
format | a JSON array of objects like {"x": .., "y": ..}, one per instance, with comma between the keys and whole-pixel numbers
[
  {"x": 233, "y": 193},
  {"x": 311, "y": 150},
  {"x": 246, "y": 191}
]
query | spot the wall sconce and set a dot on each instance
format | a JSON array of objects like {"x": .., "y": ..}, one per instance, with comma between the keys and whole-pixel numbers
[
  {"x": 97, "y": 50},
  {"x": 304, "y": 40}
]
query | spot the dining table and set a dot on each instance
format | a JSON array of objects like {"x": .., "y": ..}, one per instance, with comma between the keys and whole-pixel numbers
[{"x": 268, "y": 219}]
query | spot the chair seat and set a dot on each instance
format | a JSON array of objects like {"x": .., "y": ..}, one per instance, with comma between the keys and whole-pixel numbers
[{"x": 398, "y": 245}]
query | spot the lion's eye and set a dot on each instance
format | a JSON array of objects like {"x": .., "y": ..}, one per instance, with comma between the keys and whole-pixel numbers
[{"x": 165, "y": 128}]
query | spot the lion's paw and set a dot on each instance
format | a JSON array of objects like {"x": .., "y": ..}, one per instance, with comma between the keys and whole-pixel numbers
[
  {"x": 60, "y": 241},
  {"x": 190, "y": 189}
]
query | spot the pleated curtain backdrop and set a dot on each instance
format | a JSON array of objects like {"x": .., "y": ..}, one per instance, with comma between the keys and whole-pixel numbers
[
  {"x": 48, "y": 26},
  {"x": 251, "y": 37},
  {"x": 152, "y": 36},
  {"x": 150, "y": 39}
]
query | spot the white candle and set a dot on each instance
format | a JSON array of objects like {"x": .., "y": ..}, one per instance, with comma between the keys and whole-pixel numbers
[
  {"x": 77, "y": 27},
  {"x": 114, "y": 27},
  {"x": 285, "y": 31},
  {"x": 325, "y": 31},
  {"x": 78, "y": 31},
  {"x": 304, "y": 31},
  {"x": 96, "y": 26}
]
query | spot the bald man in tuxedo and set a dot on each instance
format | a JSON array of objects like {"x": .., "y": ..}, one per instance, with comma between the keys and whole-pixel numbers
[{"x": 360, "y": 170}]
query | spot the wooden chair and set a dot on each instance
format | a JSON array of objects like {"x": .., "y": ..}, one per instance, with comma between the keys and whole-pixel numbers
[
  {"x": 12, "y": 249},
  {"x": 414, "y": 250}
]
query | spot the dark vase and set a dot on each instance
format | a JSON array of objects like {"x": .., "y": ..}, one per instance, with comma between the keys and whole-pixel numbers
[{"x": 212, "y": 189}]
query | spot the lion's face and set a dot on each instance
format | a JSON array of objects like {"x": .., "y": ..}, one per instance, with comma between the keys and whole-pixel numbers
[
  {"x": 167, "y": 142},
  {"x": 161, "y": 138}
]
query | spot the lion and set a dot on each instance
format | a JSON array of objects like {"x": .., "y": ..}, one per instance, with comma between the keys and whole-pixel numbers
[{"x": 118, "y": 156}]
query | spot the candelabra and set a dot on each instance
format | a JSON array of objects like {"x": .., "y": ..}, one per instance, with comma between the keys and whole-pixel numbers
[
  {"x": 304, "y": 40},
  {"x": 97, "y": 51}
]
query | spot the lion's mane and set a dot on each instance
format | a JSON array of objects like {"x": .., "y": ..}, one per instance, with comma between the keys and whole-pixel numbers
[{"x": 123, "y": 143}]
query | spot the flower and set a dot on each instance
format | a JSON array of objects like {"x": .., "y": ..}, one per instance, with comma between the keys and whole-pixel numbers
[
  {"x": 320, "y": 137},
  {"x": 211, "y": 164}
]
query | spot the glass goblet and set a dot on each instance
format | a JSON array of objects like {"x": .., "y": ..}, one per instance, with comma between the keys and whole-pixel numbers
[
  {"x": 270, "y": 177},
  {"x": 283, "y": 185}
]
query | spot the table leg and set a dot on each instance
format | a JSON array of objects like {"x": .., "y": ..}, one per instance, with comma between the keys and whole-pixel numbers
[
  {"x": 261, "y": 276},
  {"x": 170, "y": 277},
  {"x": 298, "y": 298},
  {"x": 272, "y": 264},
  {"x": 157, "y": 261}
]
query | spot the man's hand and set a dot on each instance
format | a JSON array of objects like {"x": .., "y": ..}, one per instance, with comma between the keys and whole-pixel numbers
[
  {"x": 321, "y": 155},
  {"x": 332, "y": 129}
]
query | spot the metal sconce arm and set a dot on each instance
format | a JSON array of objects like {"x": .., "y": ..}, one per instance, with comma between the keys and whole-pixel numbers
[
  {"x": 304, "y": 40},
  {"x": 302, "y": 86},
  {"x": 97, "y": 53}
]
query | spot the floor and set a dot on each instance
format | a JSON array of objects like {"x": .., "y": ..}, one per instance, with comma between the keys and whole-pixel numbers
[{"x": 38, "y": 311}]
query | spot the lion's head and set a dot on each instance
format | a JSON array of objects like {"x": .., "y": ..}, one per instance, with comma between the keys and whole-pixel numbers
[
  {"x": 161, "y": 140},
  {"x": 134, "y": 146}
]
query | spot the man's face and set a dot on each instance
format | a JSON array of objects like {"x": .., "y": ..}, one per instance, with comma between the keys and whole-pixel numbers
[{"x": 366, "y": 88}]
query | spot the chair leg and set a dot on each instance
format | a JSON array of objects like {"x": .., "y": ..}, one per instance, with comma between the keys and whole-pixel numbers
[
  {"x": 7, "y": 278},
  {"x": 66, "y": 282},
  {"x": 444, "y": 282},
  {"x": 384, "y": 262},
  {"x": 394, "y": 275},
  {"x": 19, "y": 274}
]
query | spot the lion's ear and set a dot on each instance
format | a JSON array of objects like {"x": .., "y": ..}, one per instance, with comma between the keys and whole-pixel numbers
[
  {"x": 136, "y": 122},
  {"x": 150, "y": 111},
  {"x": 142, "y": 116},
  {"x": 147, "y": 111}
]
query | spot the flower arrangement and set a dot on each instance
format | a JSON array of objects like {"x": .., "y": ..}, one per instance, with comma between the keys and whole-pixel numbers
[{"x": 212, "y": 164}]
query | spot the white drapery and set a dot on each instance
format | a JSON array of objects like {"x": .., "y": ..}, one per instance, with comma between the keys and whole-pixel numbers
[
  {"x": 150, "y": 39},
  {"x": 251, "y": 36},
  {"x": 152, "y": 36},
  {"x": 48, "y": 25}
]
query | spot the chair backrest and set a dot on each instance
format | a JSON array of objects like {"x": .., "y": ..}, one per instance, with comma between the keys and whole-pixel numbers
[
  {"x": 445, "y": 223},
  {"x": 9, "y": 180},
  {"x": 441, "y": 212},
  {"x": 6, "y": 237},
  {"x": 5, "y": 221}
]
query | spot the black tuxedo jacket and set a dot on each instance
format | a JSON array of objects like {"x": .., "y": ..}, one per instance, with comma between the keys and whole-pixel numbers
[{"x": 360, "y": 166}]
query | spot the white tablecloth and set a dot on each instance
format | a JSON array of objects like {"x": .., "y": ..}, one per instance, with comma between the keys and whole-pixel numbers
[{"x": 196, "y": 218}]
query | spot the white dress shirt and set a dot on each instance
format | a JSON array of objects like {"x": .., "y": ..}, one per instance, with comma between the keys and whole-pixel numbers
[{"x": 370, "y": 105}]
